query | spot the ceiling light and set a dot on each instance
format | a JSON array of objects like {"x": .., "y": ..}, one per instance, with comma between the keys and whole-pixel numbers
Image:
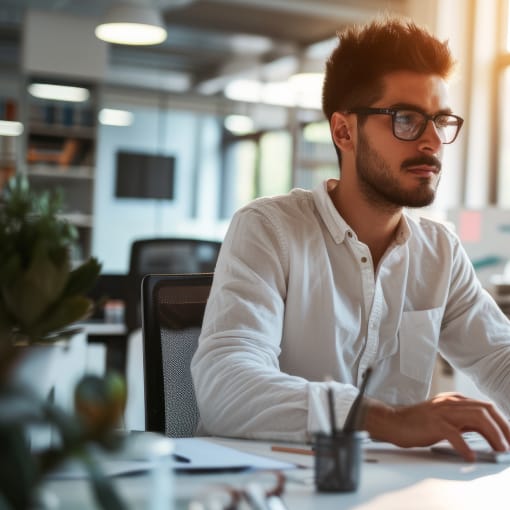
[
  {"x": 239, "y": 124},
  {"x": 244, "y": 90},
  {"x": 10, "y": 128},
  {"x": 131, "y": 24},
  {"x": 58, "y": 92},
  {"x": 302, "y": 82},
  {"x": 112, "y": 117},
  {"x": 307, "y": 89},
  {"x": 277, "y": 93},
  {"x": 245, "y": 44}
]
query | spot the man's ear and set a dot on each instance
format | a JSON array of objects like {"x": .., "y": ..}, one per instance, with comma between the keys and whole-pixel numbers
[{"x": 341, "y": 130}]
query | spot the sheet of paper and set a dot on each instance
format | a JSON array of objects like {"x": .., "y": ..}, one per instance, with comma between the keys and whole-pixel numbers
[
  {"x": 74, "y": 470},
  {"x": 189, "y": 455},
  {"x": 205, "y": 455}
]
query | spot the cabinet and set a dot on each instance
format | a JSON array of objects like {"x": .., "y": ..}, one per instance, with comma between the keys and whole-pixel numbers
[{"x": 60, "y": 143}]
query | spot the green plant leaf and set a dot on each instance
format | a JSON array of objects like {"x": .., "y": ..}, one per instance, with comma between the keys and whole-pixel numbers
[
  {"x": 18, "y": 475},
  {"x": 104, "y": 491},
  {"x": 82, "y": 279},
  {"x": 35, "y": 268},
  {"x": 10, "y": 268},
  {"x": 29, "y": 297},
  {"x": 6, "y": 321},
  {"x": 62, "y": 314}
]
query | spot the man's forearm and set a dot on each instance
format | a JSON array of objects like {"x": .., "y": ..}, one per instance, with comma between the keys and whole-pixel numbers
[{"x": 378, "y": 420}]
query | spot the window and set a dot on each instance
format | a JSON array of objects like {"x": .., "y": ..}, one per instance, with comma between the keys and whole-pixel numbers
[
  {"x": 254, "y": 166},
  {"x": 503, "y": 112}
]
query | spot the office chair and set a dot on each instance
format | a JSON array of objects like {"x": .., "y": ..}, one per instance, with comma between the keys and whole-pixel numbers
[
  {"x": 165, "y": 256},
  {"x": 172, "y": 311}
]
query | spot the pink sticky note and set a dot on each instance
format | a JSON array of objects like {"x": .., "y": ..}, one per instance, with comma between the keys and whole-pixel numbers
[{"x": 470, "y": 226}]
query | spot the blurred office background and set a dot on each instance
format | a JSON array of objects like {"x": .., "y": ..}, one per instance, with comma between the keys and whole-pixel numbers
[
  {"x": 216, "y": 111},
  {"x": 168, "y": 140}
]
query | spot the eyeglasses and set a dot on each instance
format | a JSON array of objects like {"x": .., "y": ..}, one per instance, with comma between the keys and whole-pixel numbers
[
  {"x": 409, "y": 125},
  {"x": 260, "y": 492}
]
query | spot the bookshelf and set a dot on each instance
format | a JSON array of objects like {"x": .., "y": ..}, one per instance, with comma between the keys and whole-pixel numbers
[
  {"x": 9, "y": 145},
  {"x": 60, "y": 148}
]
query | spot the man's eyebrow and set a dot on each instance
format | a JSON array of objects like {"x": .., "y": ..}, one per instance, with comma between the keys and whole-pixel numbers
[{"x": 410, "y": 106}]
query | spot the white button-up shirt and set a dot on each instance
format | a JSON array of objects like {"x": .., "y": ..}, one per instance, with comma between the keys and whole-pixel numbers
[{"x": 296, "y": 299}]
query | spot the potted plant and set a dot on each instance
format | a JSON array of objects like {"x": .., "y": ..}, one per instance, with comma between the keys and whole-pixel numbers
[{"x": 41, "y": 297}]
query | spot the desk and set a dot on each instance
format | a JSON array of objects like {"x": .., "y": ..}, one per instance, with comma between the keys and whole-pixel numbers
[
  {"x": 113, "y": 335},
  {"x": 101, "y": 328},
  {"x": 393, "y": 479}
]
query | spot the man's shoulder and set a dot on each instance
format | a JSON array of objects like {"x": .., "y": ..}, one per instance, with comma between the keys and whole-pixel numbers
[
  {"x": 431, "y": 228},
  {"x": 294, "y": 201}
]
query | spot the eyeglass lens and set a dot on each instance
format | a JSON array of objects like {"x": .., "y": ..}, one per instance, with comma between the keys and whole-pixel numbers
[{"x": 409, "y": 125}]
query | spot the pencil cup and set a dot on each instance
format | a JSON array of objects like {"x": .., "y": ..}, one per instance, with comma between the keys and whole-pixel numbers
[{"x": 338, "y": 461}]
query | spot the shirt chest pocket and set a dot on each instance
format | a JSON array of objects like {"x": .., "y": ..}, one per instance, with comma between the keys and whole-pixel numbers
[{"x": 418, "y": 339}]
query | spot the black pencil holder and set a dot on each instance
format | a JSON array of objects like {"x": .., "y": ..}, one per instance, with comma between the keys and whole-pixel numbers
[{"x": 338, "y": 461}]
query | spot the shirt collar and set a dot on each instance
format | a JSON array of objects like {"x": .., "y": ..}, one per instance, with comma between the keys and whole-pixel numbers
[
  {"x": 403, "y": 232},
  {"x": 336, "y": 225}
]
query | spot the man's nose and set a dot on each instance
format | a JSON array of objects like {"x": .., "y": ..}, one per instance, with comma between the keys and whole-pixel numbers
[{"x": 431, "y": 140}]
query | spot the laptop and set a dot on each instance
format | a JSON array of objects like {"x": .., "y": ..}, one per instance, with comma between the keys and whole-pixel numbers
[{"x": 483, "y": 450}]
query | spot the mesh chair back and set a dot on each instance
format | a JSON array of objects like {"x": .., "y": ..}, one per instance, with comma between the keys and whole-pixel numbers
[
  {"x": 173, "y": 307},
  {"x": 165, "y": 256}
]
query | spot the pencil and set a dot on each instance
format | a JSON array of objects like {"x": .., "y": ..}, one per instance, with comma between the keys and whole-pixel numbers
[
  {"x": 332, "y": 418},
  {"x": 291, "y": 449},
  {"x": 353, "y": 414}
]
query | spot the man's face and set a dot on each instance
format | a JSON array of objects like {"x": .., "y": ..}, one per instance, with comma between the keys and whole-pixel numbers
[{"x": 395, "y": 172}]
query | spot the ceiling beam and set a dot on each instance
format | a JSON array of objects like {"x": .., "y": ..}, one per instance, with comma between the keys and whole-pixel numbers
[{"x": 349, "y": 11}]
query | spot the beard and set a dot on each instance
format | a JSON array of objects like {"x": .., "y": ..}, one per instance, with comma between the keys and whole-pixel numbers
[{"x": 381, "y": 186}]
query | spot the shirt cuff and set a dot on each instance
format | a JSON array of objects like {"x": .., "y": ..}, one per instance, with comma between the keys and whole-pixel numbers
[{"x": 318, "y": 407}]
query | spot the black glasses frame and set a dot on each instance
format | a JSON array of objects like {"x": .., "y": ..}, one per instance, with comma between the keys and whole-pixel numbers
[
  {"x": 395, "y": 111},
  {"x": 230, "y": 497}
]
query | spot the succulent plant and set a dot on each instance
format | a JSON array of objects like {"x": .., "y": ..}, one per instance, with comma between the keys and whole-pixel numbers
[
  {"x": 41, "y": 296},
  {"x": 40, "y": 293}
]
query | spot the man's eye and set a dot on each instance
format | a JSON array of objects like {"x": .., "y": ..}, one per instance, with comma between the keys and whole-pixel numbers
[{"x": 409, "y": 118}]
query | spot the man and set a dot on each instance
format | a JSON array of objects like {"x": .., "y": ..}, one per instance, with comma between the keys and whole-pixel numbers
[{"x": 330, "y": 282}]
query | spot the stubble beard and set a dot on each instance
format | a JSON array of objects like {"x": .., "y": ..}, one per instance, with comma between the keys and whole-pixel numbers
[{"x": 381, "y": 187}]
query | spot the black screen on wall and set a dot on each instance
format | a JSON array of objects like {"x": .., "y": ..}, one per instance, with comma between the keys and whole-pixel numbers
[{"x": 140, "y": 175}]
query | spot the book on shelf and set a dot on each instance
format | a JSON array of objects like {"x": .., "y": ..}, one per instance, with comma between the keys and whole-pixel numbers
[{"x": 68, "y": 152}]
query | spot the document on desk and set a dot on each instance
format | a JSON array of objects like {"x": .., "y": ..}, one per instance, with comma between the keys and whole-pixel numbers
[
  {"x": 188, "y": 455},
  {"x": 196, "y": 454}
]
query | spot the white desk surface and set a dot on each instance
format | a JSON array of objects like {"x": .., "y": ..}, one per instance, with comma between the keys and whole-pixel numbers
[
  {"x": 391, "y": 479},
  {"x": 99, "y": 327}
]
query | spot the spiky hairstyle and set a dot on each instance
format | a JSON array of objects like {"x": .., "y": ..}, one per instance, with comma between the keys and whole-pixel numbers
[{"x": 365, "y": 54}]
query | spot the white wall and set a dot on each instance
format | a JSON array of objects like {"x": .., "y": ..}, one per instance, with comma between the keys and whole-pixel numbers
[{"x": 117, "y": 222}]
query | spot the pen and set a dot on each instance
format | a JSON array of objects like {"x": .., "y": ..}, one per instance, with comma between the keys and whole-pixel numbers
[
  {"x": 353, "y": 415},
  {"x": 291, "y": 449},
  {"x": 332, "y": 418},
  {"x": 180, "y": 458}
]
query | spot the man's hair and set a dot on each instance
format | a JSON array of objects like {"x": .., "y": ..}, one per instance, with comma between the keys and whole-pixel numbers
[{"x": 365, "y": 54}]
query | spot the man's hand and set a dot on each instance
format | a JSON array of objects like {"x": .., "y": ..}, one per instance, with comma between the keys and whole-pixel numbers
[{"x": 445, "y": 416}]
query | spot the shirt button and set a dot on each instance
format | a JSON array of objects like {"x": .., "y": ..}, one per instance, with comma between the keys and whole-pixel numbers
[
  {"x": 349, "y": 234},
  {"x": 363, "y": 259}
]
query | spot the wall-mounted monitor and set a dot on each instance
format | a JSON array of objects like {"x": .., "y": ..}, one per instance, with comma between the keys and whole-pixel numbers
[{"x": 144, "y": 175}]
